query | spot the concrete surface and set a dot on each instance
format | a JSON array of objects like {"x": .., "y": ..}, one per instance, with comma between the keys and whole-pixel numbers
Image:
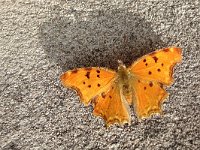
[{"x": 40, "y": 39}]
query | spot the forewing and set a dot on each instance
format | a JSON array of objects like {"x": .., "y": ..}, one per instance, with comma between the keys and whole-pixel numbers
[
  {"x": 157, "y": 66},
  {"x": 88, "y": 82}
]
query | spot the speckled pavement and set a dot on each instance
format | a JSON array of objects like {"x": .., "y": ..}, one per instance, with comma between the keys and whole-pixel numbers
[{"x": 40, "y": 39}]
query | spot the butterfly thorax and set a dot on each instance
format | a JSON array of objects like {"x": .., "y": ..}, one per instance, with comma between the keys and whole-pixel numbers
[{"x": 123, "y": 81}]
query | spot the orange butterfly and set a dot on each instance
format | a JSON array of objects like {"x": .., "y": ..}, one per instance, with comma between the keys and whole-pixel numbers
[{"x": 112, "y": 92}]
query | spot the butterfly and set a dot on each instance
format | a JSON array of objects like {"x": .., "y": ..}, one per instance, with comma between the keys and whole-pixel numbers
[{"x": 111, "y": 93}]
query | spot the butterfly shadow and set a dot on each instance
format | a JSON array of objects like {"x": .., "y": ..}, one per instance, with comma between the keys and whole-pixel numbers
[{"x": 99, "y": 38}]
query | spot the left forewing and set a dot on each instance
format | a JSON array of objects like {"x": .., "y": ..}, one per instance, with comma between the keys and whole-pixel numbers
[{"x": 88, "y": 82}]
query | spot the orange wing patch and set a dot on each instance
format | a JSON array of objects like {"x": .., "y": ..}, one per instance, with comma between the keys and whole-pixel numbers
[
  {"x": 112, "y": 107},
  {"x": 157, "y": 66},
  {"x": 89, "y": 82},
  {"x": 148, "y": 98}
]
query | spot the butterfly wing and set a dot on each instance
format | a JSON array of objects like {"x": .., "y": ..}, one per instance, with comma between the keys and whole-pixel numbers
[
  {"x": 151, "y": 72},
  {"x": 112, "y": 106},
  {"x": 148, "y": 97},
  {"x": 157, "y": 66},
  {"x": 88, "y": 82}
]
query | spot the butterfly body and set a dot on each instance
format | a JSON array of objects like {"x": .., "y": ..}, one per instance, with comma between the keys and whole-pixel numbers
[
  {"x": 140, "y": 85},
  {"x": 124, "y": 79}
]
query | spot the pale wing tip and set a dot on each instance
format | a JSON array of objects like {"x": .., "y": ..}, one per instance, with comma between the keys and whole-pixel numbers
[
  {"x": 62, "y": 77},
  {"x": 178, "y": 50}
]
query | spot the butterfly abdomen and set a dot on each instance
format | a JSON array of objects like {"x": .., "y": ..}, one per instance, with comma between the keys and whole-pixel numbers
[
  {"x": 124, "y": 82},
  {"x": 127, "y": 92}
]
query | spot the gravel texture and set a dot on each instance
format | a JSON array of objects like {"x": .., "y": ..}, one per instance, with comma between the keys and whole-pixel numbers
[{"x": 40, "y": 39}]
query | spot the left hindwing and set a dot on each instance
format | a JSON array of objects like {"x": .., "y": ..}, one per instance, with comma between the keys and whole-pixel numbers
[{"x": 112, "y": 106}]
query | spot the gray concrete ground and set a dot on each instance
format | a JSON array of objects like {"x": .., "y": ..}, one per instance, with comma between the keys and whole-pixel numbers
[{"x": 40, "y": 39}]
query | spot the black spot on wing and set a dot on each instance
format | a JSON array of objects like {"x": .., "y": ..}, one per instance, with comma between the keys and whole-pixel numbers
[
  {"x": 166, "y": 50},
  {"x": 150, "y": 72},
  {"x": 88, "y": 75},
  {"x": 75, "y": 71},
  {"x": 155, "y": 59},
  {"x": 98, "y": 71},
  {"x": 161, "y": 85},
  {"x": 94, "y": 101},
  {"x": 150, "y": 84},
  {"x": 103, "y": 95}
]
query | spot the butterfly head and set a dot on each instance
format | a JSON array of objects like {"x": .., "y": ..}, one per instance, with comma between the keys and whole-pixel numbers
[
  {"x": 121, "y": 66},
  {"x": 122, "y": 70}
]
